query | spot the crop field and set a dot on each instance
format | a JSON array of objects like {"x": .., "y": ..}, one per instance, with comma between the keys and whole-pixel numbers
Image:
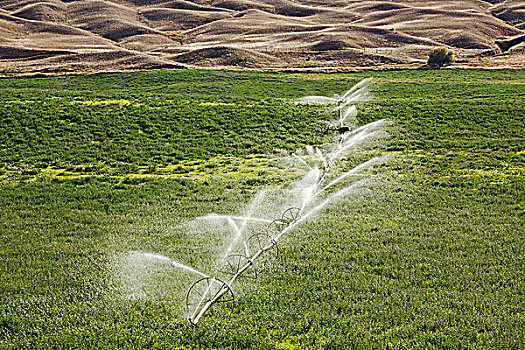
[{"x": 432, "y": 255}]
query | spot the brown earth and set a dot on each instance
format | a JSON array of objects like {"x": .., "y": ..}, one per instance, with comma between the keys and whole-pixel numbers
[{"x": 55, "y": 36}]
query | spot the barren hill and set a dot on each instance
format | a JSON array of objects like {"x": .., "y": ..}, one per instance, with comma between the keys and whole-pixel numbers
[{"x": 95, "y": 35}]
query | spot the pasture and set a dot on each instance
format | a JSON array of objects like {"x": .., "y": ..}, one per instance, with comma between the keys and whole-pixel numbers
[{"x": 432, "y": 256}]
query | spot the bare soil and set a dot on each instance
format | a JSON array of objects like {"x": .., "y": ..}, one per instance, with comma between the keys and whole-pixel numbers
[{"x": 55, "y": 36}]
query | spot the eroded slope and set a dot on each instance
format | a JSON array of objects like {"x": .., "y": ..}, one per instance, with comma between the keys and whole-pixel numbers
[{"x": 57, "y": 35}]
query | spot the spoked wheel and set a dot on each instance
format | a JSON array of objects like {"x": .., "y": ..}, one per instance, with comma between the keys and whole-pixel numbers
[
  {"x": 276, "y": 226},
  {"x": 290, "y": 215},
  {"x": 206, "y": 289},
  {"x": 262, "y": 241},
  {"x": 233, "y": 264}
]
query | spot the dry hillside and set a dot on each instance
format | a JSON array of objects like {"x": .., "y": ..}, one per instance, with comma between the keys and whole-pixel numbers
[{"x": 94, "y": 35}]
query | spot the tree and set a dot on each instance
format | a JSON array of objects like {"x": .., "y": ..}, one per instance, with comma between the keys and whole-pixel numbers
[{"x": 440, "y": 57}]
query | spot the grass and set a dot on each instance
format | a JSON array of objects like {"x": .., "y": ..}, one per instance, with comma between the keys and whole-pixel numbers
[{"x": 93, "y": 166}]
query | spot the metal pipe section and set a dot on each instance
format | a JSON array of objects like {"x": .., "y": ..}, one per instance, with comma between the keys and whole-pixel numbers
[
  {"x": 228, "y": 285},
  {"x": 356, "y": 136}
]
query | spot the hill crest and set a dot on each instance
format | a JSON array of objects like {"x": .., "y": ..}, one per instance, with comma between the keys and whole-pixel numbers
[{"x": 95, "y": 35}]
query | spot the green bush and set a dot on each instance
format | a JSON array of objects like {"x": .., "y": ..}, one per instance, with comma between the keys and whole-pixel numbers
[{"x": 440, "y": 57}]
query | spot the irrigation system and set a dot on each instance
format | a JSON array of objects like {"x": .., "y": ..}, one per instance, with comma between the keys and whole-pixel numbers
[{"x": 217, "y": 291}]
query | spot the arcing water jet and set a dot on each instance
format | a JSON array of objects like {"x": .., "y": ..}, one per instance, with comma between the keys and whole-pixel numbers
[
  {"x": 210, "y": 291},
  {"x": 256, "y": 233}
]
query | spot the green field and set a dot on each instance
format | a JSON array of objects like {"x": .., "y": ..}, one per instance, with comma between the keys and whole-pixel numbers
[{"x": 431, "y": 256}]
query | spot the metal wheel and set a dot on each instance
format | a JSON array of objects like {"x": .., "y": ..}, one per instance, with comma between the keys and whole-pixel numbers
[
  {"x": 290, "y": 215},
  {"x": 261, "y": 241},
  {"x": 276, "y": 226},
  {"x": 203, "y": 291},
  {"x": 233, "y": 263}
]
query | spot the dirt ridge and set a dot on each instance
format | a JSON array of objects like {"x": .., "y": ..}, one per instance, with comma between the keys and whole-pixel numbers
[{"x": 68, "y": 36}]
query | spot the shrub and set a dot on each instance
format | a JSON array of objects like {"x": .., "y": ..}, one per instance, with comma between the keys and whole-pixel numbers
[{"x": 440, "y": 57}]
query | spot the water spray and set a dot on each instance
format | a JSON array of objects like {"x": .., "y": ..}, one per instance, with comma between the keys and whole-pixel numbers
[
  {"x": 211, "y": 291},
  {"x": 256, "y": 237}
]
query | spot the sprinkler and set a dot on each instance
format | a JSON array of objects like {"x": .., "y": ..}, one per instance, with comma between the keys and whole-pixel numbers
[
  {"x": 255, "y": 237},
  {"x": 341, "y": 130},
  {"x": 216, "y": 292}
]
